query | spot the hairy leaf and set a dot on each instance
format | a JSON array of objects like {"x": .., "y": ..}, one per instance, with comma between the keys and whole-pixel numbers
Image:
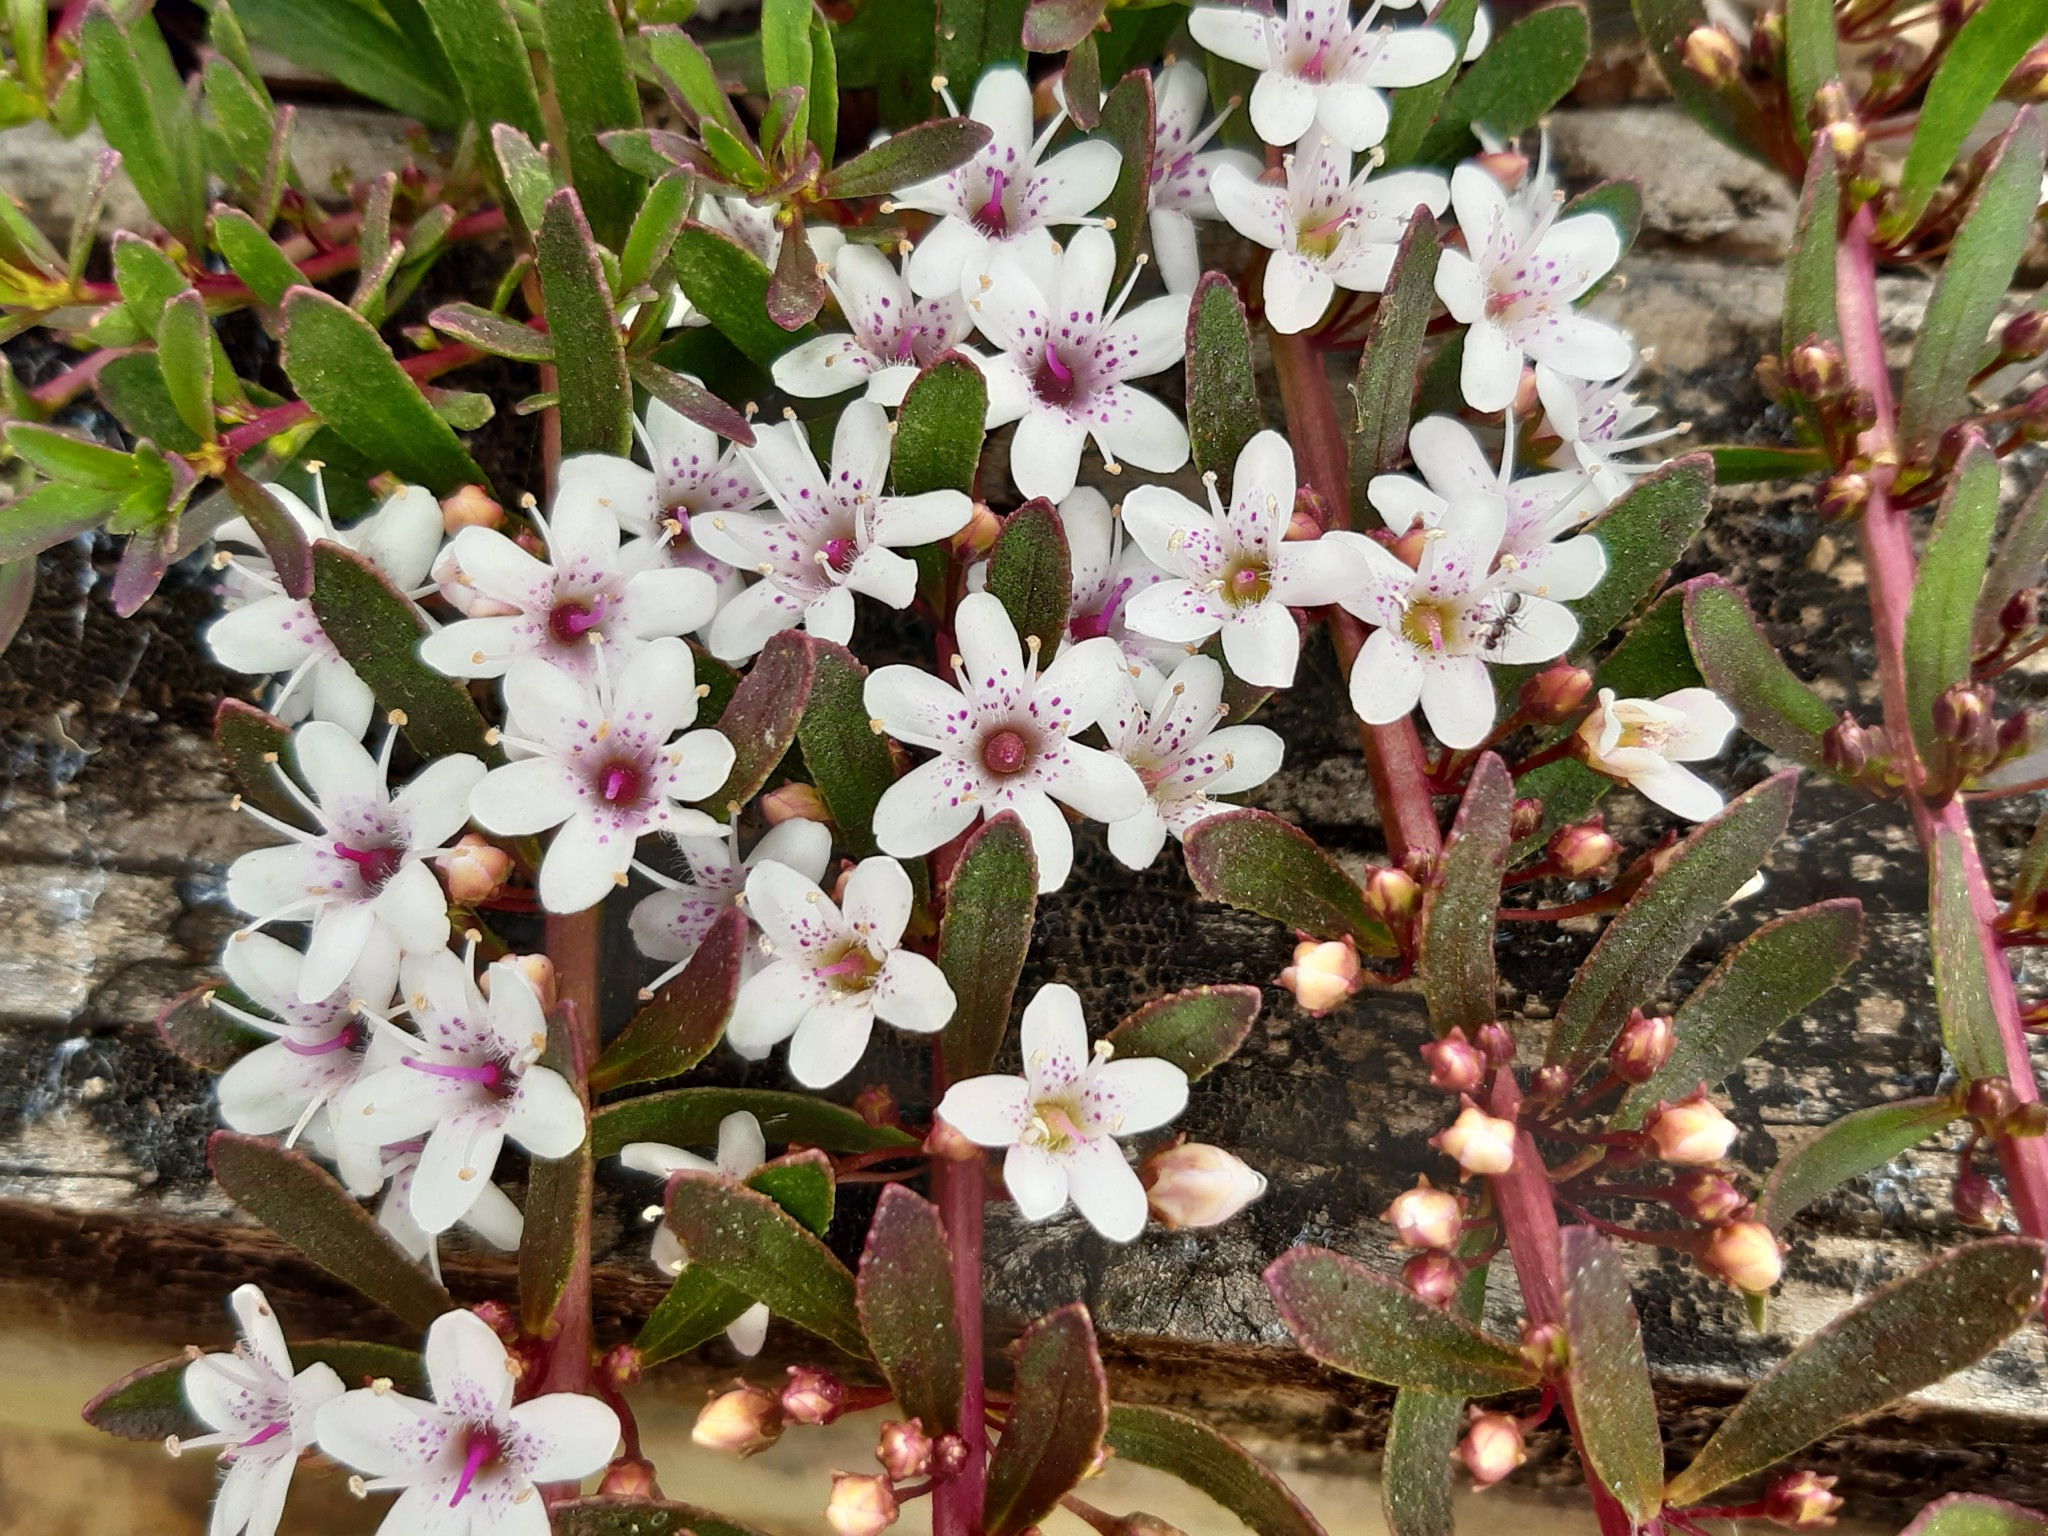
[
  {"x": 1457, "y": 908},
  {"x": 1190, "y": 1450},
  {"x": 761, "y": 718},
  {"x": 1223, "y": 395},
  {"x": 1524, "y": 72},
  {"x": 686, "y": 1018},
  {"x": 1962, "y": 985},
  {"x": 991, "y": 898},
  {"x": 729, "y": 286},
  {"x": 1610, "y": 1380},
  {"x": 1644, "y": 534},
  {"x": 938, "y": 429},
  {"x": 494, "y": 74},
  {"x": 1383, "y": 397},
  {"x": 1056, "y": 1424},
  {"x": 685, "y": 1117},
  {"x": 590, "y": 360},
  {"x": 905, "y": 1294},
  {"x": 2015, "y": 566},
  {"x": 1029, "y": 571},
  {"x": 140, "y": 106},
  {"x": 1258, "y": 863},
  {"x": 1972, "y": 1514},
  {"x": 915, "y": 154},
  {"x": 743, "y": 1238},
  {"x": 1197, "y": 1030},
  {"x": 1741, "y": 665},
  {"x": 361, "y": 49},
  {"x": 493, "y": 333},
  {"x": 1810, "y": 60},
  {"x": 847, "y": 759},
  {"x": 1862, "y": 1140},
  {"x": 1127, "y": 122}
]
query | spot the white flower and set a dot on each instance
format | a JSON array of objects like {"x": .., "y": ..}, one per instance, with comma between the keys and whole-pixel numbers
[
  {"x": 741, "y": 1149},
  {"x": 608, "y": 766},
  {"x": 469, "y": 1083},
  {"x": 1106, "y": 574},
  {"x": 1440, "y": 624},
  {"x": 834, "y": 972},
  {"x": 671, "y": 923},
  {"x": 1067, "y": 352},
  {"x": 894, "y": 335},
  {"x": 261, "y": 1413},
  {"x": 1181, "y": 171},
  {"x": 1233, "y": 571},
  {"x": 1513, "y": 287},
  {"x": 1594, "y": 423},
  {"x": 469, "y": 1461},
  {"x": 1316, "y": 68},
  {"x": 1533, "y": 557},
  {"x": 751, "y": 228},
  {"x": 1327, "y": 229},
  {"x": 1182, "y": 758},
  {"x": 1643, "y": 742},
  {"x": 263, "y": 630},
  {"x": 839, "y": 534},
  {"x": 582, "y": 594},
  {"x": 362, "y": 879},
  {"x": 1004, "y": 739},
  {"x": 1061, "y": 1119},
  {"x": 492, "y": 1216},
  {"x": 1004, "y": 200}
]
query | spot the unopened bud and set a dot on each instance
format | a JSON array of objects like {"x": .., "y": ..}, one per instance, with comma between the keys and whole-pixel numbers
[
  {"x": 474, "y": 870},
  {"x": 621, "y": 1367},
  {"x": 949, "y": 1458},
  {"x": 503, "y": 1320},
  {"x": 979, "y": 536},
  {"x": 470, "y": 506},
  {"x": 1455, "y": 1064},
  {"x": 2028, "y": 83},
  {"x": 1310, "y": 516},
  {"x": 1496, "y": 1043},
  {"x": 1961, "y": 712},
  {"x": 1196, "y": 1185},
  {"x": 1976, "y": 1200},
  {"x": 1847, "y": 139},
  {"x": 2025, "y": 335},
  {"x": 1323, "y": 974},
  {"x": 1989, "y": 1101},
  {"x": 1842, "y": 497},
  {"x": 1767, "y": 41},
  {"x": 1706, "y": 1197},
  {"x": 1392, "y": 895},
  {"x": 1525, "y": 818},
  {"x": 1528, "y": 405},
  {"x": 1692, "y": 1131},
  {"x": 1641, "y": 1049},
  {"x": 1478, "y": 1142},
  {"x": 2021, "y": 611},
  {"x": 876, "y": 1105},
  {"x": 1745, "y": 1254},
  {"x": 1492, "y": 1447},
  {"x": 537, "y": 971},
  {"x": 1845, "y": 747},
  {"x": 904, "y": 1449},
  {"x": 743, "y": 1421},
  {"x": 630, "y": 1477},
  {"x": 1769, "y": 374},
  {"x": 1505, "y": 166},
  {"x": 2033, "y": 415},
  {"x": 1555, "y": 694},
  {"x": 1424, "y": 1217},
  {"x": 1584, "y": 849},
  {"x": 794, "y": 801},
  {"x": 1410, "y": 546},
  {"x": 861, "y": 1504},
  {"x": 1713, "y": 54},
  {"x": 1549, "y": 1084},
  {"x": 1816, "y": 370},
  {"x": 1801, "y": 1501},
  {"x": 948, "y": 1145},
  {"x": 812, "y": 1396},
  {"x": 1434, "y": 1277},
  {"x": 1545, "y": 1346}
]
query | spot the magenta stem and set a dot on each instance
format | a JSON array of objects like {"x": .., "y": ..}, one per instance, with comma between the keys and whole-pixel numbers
[{"x": 959, "y": 1186}]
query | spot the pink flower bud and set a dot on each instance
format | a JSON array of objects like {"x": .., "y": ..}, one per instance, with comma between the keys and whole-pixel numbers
[
  {"x": 1492, "y": 1447},
  {"x": 537, "y": 971},
  {"x": 1423, "y": 1217},
  {"x": 1745, "y": 1254},
  {"x": 1641, "y": 1049},
  {"x": 1197, "y": 1185},
  {"x": 1528, "y": 404},
  {"x": 1706, "y": 1197},
  {"x": 1989, "y": 1101},
  {"x": 1554, "y": 694},
  {"x": 1455, "y": 1064},
  {"x": 861, "y": 1505},
  {"x": 794, "y": 802},
  {"x": 948, "y": 1144},
  {"x": 1392, "y": 895},
  {"x": 1976, "y": 1200},
  {"x": 470, "y": 506},
  {"x": 1713, "y": 54},
  {"x": 1545, "y": 1347},
  {"x": 979, "y": 536},
  {"x": 1549, "y": 1084},
  {"x": 1583, "y": 850},
  {"x": 1497, "y": 1043},
  {"x": 474, "y": 870},
  {"x": 1692, "y": 1131},
  {"x": 1505, "y": 166},
  {"x": 949, "y": 1458},
  {"x": 628, "y": 1478},
  {"x": 812, "y": 1396},
  {"x": 1478, "y": 1142},
  {"x": 1801, "y": 1501},
  {"x": 876, "y": 1105},
  {"x": 621, "y": 1366},
  {"x": 1525, "y": 819},
  {"x": 1434, "y": 1278},
  {"x": 1322, "y": 975},
  {"x": 744, "y": 1421},
  {"x": 904, "y": 1450}
]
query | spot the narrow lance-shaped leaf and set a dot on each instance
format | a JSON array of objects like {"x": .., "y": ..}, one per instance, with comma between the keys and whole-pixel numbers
[
  {"x": 1962, "y": 984},
  {"x": 654, "y": 227},
  {"x": 847, "y": 759},
  {"x": 1415, "y": 1479},
  {"x": 905, "y": 1293},
  {"x": 796, "y": 291},
  {"x": 2015, "y": 566},
  {"x": 1731, "y": 116},
  {"x": 1457, "y": 909},
  {"x": 1909, "y": 1335},
  {"x": 594, "y": 90},
  {"x": 493, "y": 333},
  {"x": 184, "y": 344},
  {"x": 915, "y": 154},
  {"x": 495, "y": 76},
  {"x": 254, "y": 257},
  {"x": 283, "y": 540},
  {"x": 1190, "y": 1450},
  {"x": 529, "y": 180},
  {"x": 1944, "y": 600},
  {"x": 1029, "y": 571},
  {"x": 1223, "y": 396},
  {"x": 252, "y": 743},
  {"x": 1197, "y": 1030},
  {"x": 686, "y": 1018},
  {"x": 691, "y": 400},
  {"x": 1615, "y": 1410},
  {"x": 1742, "y": 464},
  {"x": 1127, "y": 122},
  {"x": 1745, "y": 669},
  {"x": 1810, "y": 264},
  {"x": 557, "y": 1221},
  {"x": 686, "y": 1117},
  {"x": 1056, "y": 1423},
  {"x": 1862, "y": 1140},
  {"x": 1644, "y": 534},
  {"x": 761, "y": 718},
  {"x": 1383, "y": 396},
  {"x": 729, "y": 286},
  {"x": 590, "y": 360},
  {"x": 1810, "y": 60},
  {"x": 975, "y": 34},
  {"x": 1524, "y": 72},
  {"x": 1414, "y": 110},
  {"x": 1256, "y": 862},
  {"x": 991, "y": 899},
  {"x": 361, "y": 49},
  {"x": 746, "y": 1240},
  {"x": 145, "y": 116}
]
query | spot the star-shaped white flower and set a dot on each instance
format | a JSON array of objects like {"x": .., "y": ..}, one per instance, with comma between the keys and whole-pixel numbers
[
  {"x": 1061, "y": 1119},
  {"x": 671, "y": 923},
  {"x": 1327, "y": 229},
  {"x": 1594, "y": 423},
  {"x": 1106, "y": 573},
  {"x": 839, "y": 534},
  {"x": 262, "y": 1415},
  {"x": 607, "y": 765},
  {"x": 468, "y": 1462},
  {"x": 1067, "y": 356},
  {"x": 741, "y": 1149},
  {"x": 264, "y": 631},
  {"x": 834, "y": 971},
  {"x": 1183, "y": 758},
  {"x": 1009, "y": 196},
  {"x": 1645, "y": 742},
  {"x": 1536, "y": 554},
  {"x": 895, "y": 333},
  {"x": 1234, "y": 571},
  {"x": 361, "y": 878},
  {"x": 1441, "y": 623},
  {"x": 1004, "y": 739},
  {"x": 1513, "y": 286},
  {"x": 1181, "y": 171},
  {"x": 468, "y": 1084},
  {"x": 582, "y": 594},
  {"x": 1317, "y": 69}
]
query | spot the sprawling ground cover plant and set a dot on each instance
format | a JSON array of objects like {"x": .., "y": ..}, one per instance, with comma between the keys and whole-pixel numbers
[{"x": 777, "y": 295}]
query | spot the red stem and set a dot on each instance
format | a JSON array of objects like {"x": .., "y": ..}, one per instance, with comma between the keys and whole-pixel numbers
[
  {"x": 959, "y": 1187},
  {"x": 573, "y": 941}
]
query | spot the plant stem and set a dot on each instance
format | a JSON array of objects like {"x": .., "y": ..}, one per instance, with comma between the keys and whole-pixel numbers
[
  {"x": 960, "y": 1188},
  {"x": 573, "y": 942},
  {"x": 265, "y": 425},
  {"x": 1888, "y": 560}
]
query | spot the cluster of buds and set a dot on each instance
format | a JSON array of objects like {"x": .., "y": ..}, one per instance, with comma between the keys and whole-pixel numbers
[
  {"x": 1694, "y": 1134},
  {"x": 1691, "y": 1132},
  {"x": 1492, "y": 1447},
  {"x": 1324, "y": 974},
  {"x": 1192, "y": 1184},
  {"x": 866, "y": 1503},
  {"x": 745, "y": 1420},
  {"x": 1432, "y": 1220},
  {"x": 1861, "y": 754},
  {"x": 1969, "y": 739},
  {"x": 1456, "y": 1065}
]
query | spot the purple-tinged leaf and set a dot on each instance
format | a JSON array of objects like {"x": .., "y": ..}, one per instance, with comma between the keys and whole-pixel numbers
[
  {"x": 1972, "y": 1514},
  {"x": 743, "y": 1238},
  {"x": 654, "y": 229},
  {"x": 1196, "y": 1454},
  {"x": 796, "y": 291},
  {"x": 1614, "y": 1409},
  {"x": 493, "y": 333},
  {"x": 1056, "y": 1423},
  {"x": 1081, "y": 78},
  {"x": 253, "y": 744},
  {"x": 1256, "y": 862},
  {"x": 691, "y": 400},
  {"x": 652, "y": 152},
  {"x": 685, "y": 1117},
  {"x": 1862, "y": 1140},
  {"x": 1128, "y": 120},
  {"x": 144, "y": 559},
  {"x": 1030, "y": 572},
  {"x": 594, "y": 91},
  {"x": 847, "y": 760},
  {"x": 198, "y": 1033},
  {"x": 939, "y": 429},
  {"x": 1741, "y": 665},
  {"x": 1458, "y": 908},
  {"x": 991, "y": 899},
  {"x": 728, "y": 285},
  {"x": 1644, "y": 535},
  {"x": 149, "y": 1404},
  {"x": 761, "y": 718},
  {"x": 1423, "y": 1432},
  {"x": 1939, "y": 616},
  {"x": 686, "y": 1017},
  {"x": 1962, "y": 979},
  {"x": 556, "y": 1236},
  {"x": 905, "y": 1294},
  {"x": 283, "y": 540},
  {"x": 590, "y": 359},
  {"x": 1383, "y": 396},
  {"x": 1197, "y": 1030},
  {"x": 1055, "y": 26},
  {"x": 1223, "y": 395}
]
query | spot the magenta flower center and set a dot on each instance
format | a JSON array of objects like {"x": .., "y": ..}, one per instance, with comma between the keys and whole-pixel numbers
[
  {"x": 992, "y": 218},
  {"x": 1054, "y": 381},
  {"x": 620, "y": 783},
  {"x": 343, "y": 1039},
  {"x": 491, "y": 1075},
  {"x": 269, "y": 1431},
  {"x": 373, "y": 865},
  {"x": 1005, "y": 753},
  {"x": 483, "y": 1450},
  {"x": 840, "y": 554},
  {"x": 570, "y": 620}
]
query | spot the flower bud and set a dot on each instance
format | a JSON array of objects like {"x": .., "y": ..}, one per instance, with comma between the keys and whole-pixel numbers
[
  {"x": 2028, "y": 83},
  {"x": 876, "y": 1105},
  {"x": 904, "y": 1449},
  {"x": 1549, "y": 1084},
  {"x": 1847, "y": 138},
  {"x": 1842, "y": 497},
  {"x": 2025, "y": 335},
  {"x": 1767, "y": 41},
  {"x": 1545, "y": 1347},
  {"x": 474, "y": 870},
  {"x": 1713, "y": 54},
  {"x": 1845, "y": 747},
  {"x": 2022, "y": 611},
  {"x": 1507, "y": 167},
  {"x": 1801, "y": 1501},
  {"x": 1989, "y": 1101},
  {"x": 1554, "y": 694},
  {"x": 1706, "y": 1197},
  {"x": 1641, "y": 1049},
  {"x": 948, "y": 1144},
  {"x": 744, "y": 1421},
  {"x": 621, "y": 1367},
  {"x": 1492, "y": 1447},
  {"x": 1976, "y": 1200},
  {"x": 1961, "y": 711},
  {"x": 1424, "y": 1217},
  {"x": 1525, "y": 818},
  {"x": 979, "y": 536},
  {"x": 794, "y": 801},
  {"x": 1478, "y": 1142},
  {"x": 630, "y": 1477},
  {"x": 1583, "y": 850},
  {"x": 1528, "y": 404},
  {"x": 1497, "y": 1044},
  {"x": 1692, "y": 1131},
  {"x": 1815, "y": 369},
  {"x": 2033, "y": 415},
  {"x": 537, "y": 971},
  {"x": 1392, "y": 895},
  {"x": 1434, "y": 1278},
  {"x": 812, "y": 1396},
  {"x": 469, "y": 506},
  {"x": 2030, "y": 1119},
  {"x": 1196, "y": 1185},
  {"x": 861, "y": 1504},
  {"x": 1745, "y": 1254},
  {"x": 949, "y": 1458},
  {"x": 1409, "y": 547},
  {"x": 1322, "y": 975},
  {"x": 1310, "y": 515},
  {"x": 503, "y": 1320},
  {"x": 1455, "y": 1064}
]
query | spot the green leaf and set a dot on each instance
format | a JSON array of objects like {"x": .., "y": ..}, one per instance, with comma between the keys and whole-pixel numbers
[
  {"x": 761, "y": 718},
  {"x": 1810, "y": 60},
  {"x": 361, "y": 49},
  {"x": 991, "y": 899},
  {"x": 241, "y": 116},
  {"x": 149, "y": 1404},
  {"x": 729, "y": 286},
  {"x": 199, "y": 1033},
  {"x": 1644, "y": 534},
  {"x": 1971, "y": 286},
  {"x": 1127, "y": 119},
  {"x": 744, "y": 1239},
  {"x": 1810, "y": 264},
  {"x": 1665, "y": 918},
  {"x": 184, "y": 344},
  {"x": 1055, "y": 1427},
  {"x": 1622, "y": 204},
  {"x": 557, "y": 1220},
  {"x": 1457, "y": 909},
  {"x": 256, "y": 258},
  {"x": 654, "y": 228},
  {"x": 905, "y": 1293},
  {"x": 802, "y": 1183},
  {"x": 1740, "y": 464},
  {"x": 688, "y": 72},
  {"x": 1029, "y": 572},
  {"x": 147, "y": 278},
  {"x": 1063, "y": 26},
  {"x": 594, "y": 89},
  {"x": 1383, "y": 396},
  {"x": 139, "y": 103},
  {"x": 685, "y": 1117},
  {"x": 133, "y": 388},
  {"x": 1962, "y": 985},
  {"x": 283, "y": 540},
  {"x": 1653, "y": 658},
  {"x": 638, "y": 1517},
  {"x": 1415, "y": 1478},
  {"x": 915, "y": 154},
  {"x": 1413, "y": 110},
  {"x": 1980, "y": 60},
  {"x": 1733, "y": 118},
  {"x": 529, "y": 180},
  {"x": 1944, "y": 601},
  {"x": 1368, "y": 1325},
  {"x": 590, "y": 360},
  {"x": 1197, "y": 1030},
  {"x": 1190, "y": 1450},
  {"x": 685, "y": 1019},
  {"x": 1745, "y": 669},
  {"x": 1258, "y": 863},
  {"x": 341, "y": 367},
  {"x": 306, "y": 1207},
  {"x": 1615, "y": 1410},
  {"x": 378, "y": 632},
  {"x": 1907, "y": 1336},
  {"x": 786, "y": 55},
  {"x": 2015, "y": 566},
  {"x": 823, "y": 91},
  {"x": 847, "y": 759},
  {"x": 1223, "y": 395},
  {"x": 253, "y": 743},
  {"x": 1778, "y": 970},
  {"x": 1972, "y": 1514},
  {"x": 1860, "y": 1141},
  {"x": 939, "y": 428},
  {"x": 493, "y": 333},
  {"x": 72, "y": 458},
  {"x": 494, "y": 74},
  {"x": 1524, "y": 72},
  {"x": 974, "y": 35}
]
